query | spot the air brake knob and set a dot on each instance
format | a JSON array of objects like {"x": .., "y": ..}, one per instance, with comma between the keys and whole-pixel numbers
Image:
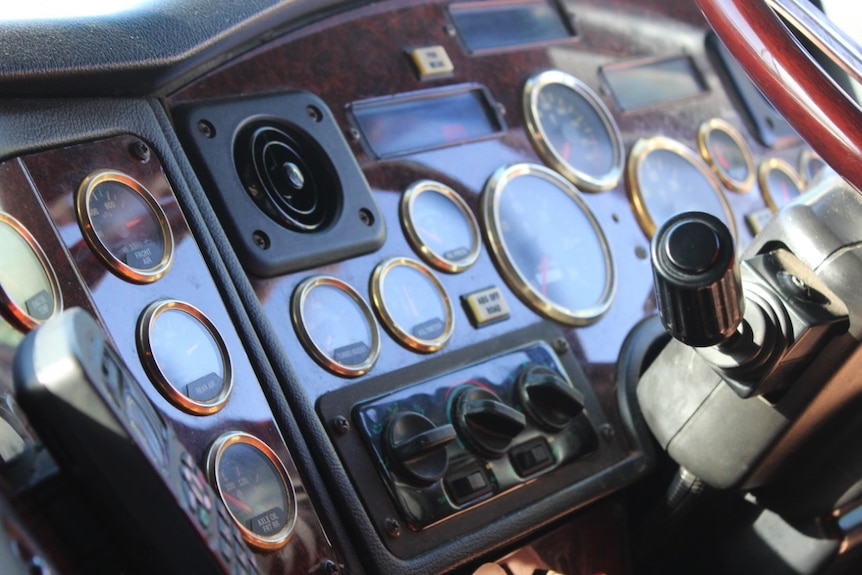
[
  {"x": 548, "y": 398},
  {"x": 416, "y": 448},
  {"x": 697, "y": 282}
]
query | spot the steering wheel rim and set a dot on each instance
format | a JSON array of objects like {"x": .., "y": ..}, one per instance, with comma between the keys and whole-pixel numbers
[{"x": 817, "y": 108}]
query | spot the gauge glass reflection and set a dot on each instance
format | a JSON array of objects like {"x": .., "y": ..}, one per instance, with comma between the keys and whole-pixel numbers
[
  {"x": 440, "y": 226},
  {"x": 185, "y": 356},
  {"x": 548, "y": 245},
  {"x": 125, "y": 226},
  {"x": 255, "y": 488},
  {"x": 726, "y": 152},
  {"x": 412, "y": 303},
  {"x": 573, "y": 131},
  {"x": 779, "y": 183},
  {"x": 335, "y": 325},
  {"x": 29, "y": 290},
  {"x": 667, "y": 178}
]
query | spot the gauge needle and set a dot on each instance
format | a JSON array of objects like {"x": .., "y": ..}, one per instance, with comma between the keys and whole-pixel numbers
[
  {"x": 237, "y": 502},
  {"x": 132, "y": 223},
  {"x": 567, "y": 149},
  {"x": 425, "y": 232},
  {"x": 410, "y": 301},
  {"x": 722, "y": 159},
  {"x": 543, "y": 270}
]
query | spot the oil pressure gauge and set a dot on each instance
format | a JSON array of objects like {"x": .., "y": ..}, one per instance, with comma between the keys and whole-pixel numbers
[{"x": 573, "y": 131}]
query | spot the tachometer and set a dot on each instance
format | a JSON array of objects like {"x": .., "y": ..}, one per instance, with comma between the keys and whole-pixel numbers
[
  {"x": 573, "y": 131},
  {"x": 125, "y": 225},
  {"x": 665, "y": 178},
  {"x": 547, "y": 244}
]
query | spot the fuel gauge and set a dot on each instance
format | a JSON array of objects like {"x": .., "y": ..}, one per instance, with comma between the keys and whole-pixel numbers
[
  {"x": 412, "y": 303},
  {"x": 779, "y": 183},
  {"x": 726, "y": 152}
]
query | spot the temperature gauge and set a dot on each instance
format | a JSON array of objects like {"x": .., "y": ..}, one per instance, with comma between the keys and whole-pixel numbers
[
  {"x": 254, "y": 486},
  {"x": 440, "y": 226}
]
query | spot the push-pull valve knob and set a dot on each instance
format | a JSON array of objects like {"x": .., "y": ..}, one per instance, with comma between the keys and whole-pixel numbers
[
  {"x": 417, "y": 448},
  {"x": 697, "y": 281},
  {"x": 484, "y": 423}
]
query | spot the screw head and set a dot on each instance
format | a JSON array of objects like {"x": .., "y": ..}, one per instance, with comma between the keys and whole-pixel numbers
[
  {"x": 341, "y": 424},
  {"x": 393, "y": 528},
  {"x": 141, "y": 151}
]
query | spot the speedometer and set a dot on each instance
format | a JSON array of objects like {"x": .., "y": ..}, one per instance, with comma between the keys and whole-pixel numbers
[
  {"x": 573, "y": 131},
  {"x": 547, "y": 244}
]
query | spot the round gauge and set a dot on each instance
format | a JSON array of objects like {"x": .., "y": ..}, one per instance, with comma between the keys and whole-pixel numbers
[
  {"x": 185, "y": 356},
  {"x": 412, "y": 303},
  {"x": 779, "y": 183},
  {"x": 335, "y": 325},
  {"x": 440, "y": 226},
  {"x": 547, "y": 244},
  {"x": 573, "y": 131},
  {"x": 810, "y": 165},
  {"x": 29, "y": 290},
  {"x": 254, "y": 486},
  {"x": 666, "y": 178},
  {"x": 726, "y": 152},
  {"x": 125, "y": 225}
]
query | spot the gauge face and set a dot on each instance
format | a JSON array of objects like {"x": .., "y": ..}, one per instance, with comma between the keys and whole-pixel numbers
[
  {"x": 573, "y": 131},
  {"x": 810, "y": 165},
  {"x": 335, "y": 325},
  {"x": 29, "y": 290},
  {"x": 726, "y": 152},
  {"x": 125, "y": 226},
  {"x": 413, "y": 304},
  {"x": 666, "y": 178},
  {"x": 185, "y": 356},
  {"x": 440, "y": 226},
  {"x": 779, "y": 183},
  {"x": 547, "y": 244},
  {"x": 255, "y": 488}
]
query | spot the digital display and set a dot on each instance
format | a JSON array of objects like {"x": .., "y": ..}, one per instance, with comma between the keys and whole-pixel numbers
[
  {"x": 425, "y": 120},
  {"x": 484, "y": 25},
  {"x": 655, "y": 82}
]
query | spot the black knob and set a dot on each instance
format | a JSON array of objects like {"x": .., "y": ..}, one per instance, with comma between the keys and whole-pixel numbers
[
  {"x": 485, "y": 424},
  {"x": 548, "y": 398},
  {"x": 417, "y": 448},
  {"x": 697, "y": 282}
]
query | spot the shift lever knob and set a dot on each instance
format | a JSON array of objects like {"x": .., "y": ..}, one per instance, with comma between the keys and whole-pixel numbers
[{"x": 697, "y": 282}]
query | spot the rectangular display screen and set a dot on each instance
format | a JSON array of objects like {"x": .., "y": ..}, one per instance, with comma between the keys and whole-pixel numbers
[
  {"x": 488, "y": 25},
  {"x": 652, "y": 83},
  {"x": 425, "y": 120}
]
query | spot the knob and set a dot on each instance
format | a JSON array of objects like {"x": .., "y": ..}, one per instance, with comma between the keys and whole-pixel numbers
[
  {"x": 417, "y": 448},
  {"x": 484, "y": 423},
  {"x": 697, "y": 282},
  {"x": 548, "y": 398}
]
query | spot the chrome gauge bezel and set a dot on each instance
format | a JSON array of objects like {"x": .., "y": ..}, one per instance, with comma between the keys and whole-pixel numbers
[
  {"x": 513, "y": 276},
  {"x": 299, "y": 321},
  {"x": 703, "y": 133},
  {"x": 399, "y": 332},
  {"x": 154, "y": 371},
  {"x": 414, "y": 237},
  {"x": 17, "y": 315},
  {"x": 214, "y": 457},
  {"x": 768, "y": 165},
  {"x": 85, "y": 221},
  {"x": 641, "y": 149},
  {"x": 546, "y": 150}
]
